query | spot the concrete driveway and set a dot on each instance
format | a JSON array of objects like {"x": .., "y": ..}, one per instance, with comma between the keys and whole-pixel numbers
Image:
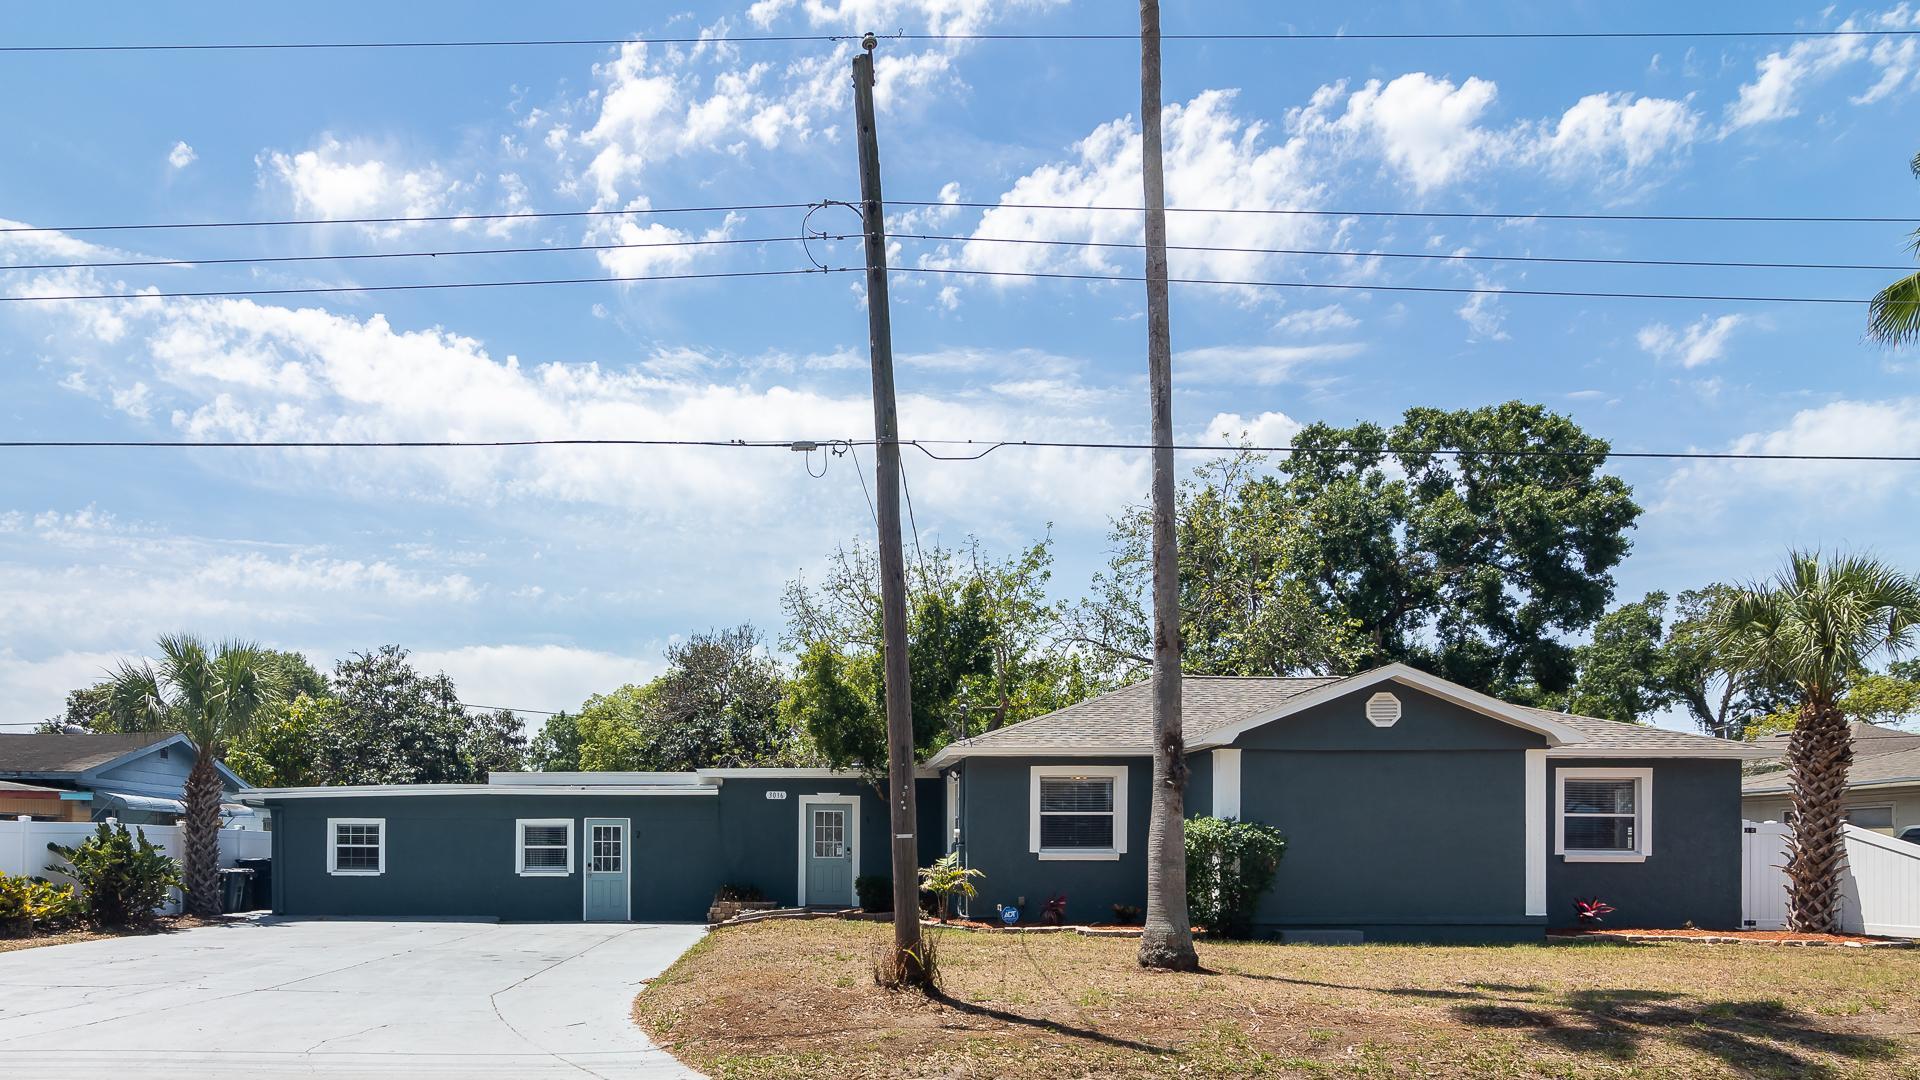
[{"x": 279, "y": 999}]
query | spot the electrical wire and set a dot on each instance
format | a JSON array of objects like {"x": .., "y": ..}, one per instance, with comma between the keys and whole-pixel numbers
[
  {"x": 982, "y": 448},
  {"x": 509, "y": 708},
  {"x": 1455, "y": 290},
  {"x": 516, "y": 215},
  {"x": 1445, "y": 214},
  {"x": 317, "y": 290},
  {"x": 1423, "y": 255},
  {"x": 772, "y": 39},
  {"x": 251, "y": 260}
]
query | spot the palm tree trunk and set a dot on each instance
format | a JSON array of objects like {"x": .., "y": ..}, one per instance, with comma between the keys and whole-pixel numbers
[
  {"x": 1166, "y": 939},
  {"x": 200, "y": 870},
  {"x": 1819, "y": 756}
]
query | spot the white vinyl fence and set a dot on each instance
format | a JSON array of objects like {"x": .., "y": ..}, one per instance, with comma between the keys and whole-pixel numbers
[
  {"x": 1879, "y": 885},
  {"x": 23, "y": 846}
]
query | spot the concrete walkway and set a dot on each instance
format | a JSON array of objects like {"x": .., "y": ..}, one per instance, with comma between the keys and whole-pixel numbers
[{"x": 279, "y": 999}]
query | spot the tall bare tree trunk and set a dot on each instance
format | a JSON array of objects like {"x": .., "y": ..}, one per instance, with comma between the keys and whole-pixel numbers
[
  {"x": 200, "y": 870},
  {"x": 1819, "y": 757},
  {"x": 1167, "y": 940}
]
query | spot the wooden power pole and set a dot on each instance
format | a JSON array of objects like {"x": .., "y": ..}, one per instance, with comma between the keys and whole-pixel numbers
[
  {"x": 907, "y": 959},
  {"x": 1166, "y": 940}
]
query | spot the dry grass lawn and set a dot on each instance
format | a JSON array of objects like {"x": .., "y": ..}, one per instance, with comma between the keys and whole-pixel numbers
[{"x": 794, "y": 999}]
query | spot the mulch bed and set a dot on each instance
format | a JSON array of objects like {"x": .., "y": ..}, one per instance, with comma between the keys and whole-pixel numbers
[
  {"x": 1734, "y": 937},
  {"x": 166, "y": 924}
]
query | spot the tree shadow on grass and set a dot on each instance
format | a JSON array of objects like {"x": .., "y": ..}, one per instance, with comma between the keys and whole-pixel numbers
[
  {"x": 1054, "y": 1026},
  {"x": 1619, "y": 1023}
]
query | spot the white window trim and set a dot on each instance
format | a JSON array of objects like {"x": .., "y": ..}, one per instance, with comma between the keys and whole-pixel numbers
[
  {"x": 333, "y": 846},
  {"x": 520, "y": 827},
  {"x": 1642, "y": 814},
  {"x": 1117, "y": 773}
]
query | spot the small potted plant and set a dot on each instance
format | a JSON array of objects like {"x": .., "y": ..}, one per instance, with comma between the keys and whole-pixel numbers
[{"x": 1592, "y": 911}]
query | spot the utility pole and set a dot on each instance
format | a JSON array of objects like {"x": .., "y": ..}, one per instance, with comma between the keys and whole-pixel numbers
[
  {"x": 1166, "y": 938},
  {"x": 907, "y": 962}
]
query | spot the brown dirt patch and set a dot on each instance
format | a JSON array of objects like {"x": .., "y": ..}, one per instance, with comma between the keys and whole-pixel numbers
[
  {"x": 164, "y": 925},
  {"x": 798, "y": 999}
]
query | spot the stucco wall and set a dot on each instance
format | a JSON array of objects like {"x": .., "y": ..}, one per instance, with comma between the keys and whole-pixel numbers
[
  {"x": 995, "y": 794},
  {"x": 1693, "y": 871},
  {"x": 453, "y": 855}
]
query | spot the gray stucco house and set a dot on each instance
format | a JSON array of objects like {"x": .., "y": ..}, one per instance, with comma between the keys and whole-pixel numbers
[
  {"x": 1414, "y": 808},
  {"x": 139, "y": 778}
]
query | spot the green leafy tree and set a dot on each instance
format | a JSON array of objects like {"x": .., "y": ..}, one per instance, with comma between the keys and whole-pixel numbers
[
  {"x": 123, "y": 877},
  {"x": 611, "y": 729},
  {"x": 716, "y": 706},
  {"x": 1882, "y": 699},
  {"x": 1470, "y": 543},
  {"x": 214, "y": 695},
  {"x": 1625, "y": 672},
  {"x": 396, "y": 725},
  {"x": 1816, "y": 625},
  {"x": 494, "y": 741},
  {"x": 556, "y": 748},
  {"x": 282, "y": 748}
]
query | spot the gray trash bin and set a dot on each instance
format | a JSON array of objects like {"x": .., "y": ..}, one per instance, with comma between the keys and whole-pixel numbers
[{"x": 236, "y": 889}]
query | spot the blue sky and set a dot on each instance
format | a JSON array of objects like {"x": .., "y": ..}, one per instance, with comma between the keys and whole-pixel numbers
[{"x": 535, "y": 577}]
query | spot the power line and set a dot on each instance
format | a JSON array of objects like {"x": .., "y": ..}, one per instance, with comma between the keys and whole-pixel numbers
[
  {"x": 774, "y": 39},
  {"x": 1425, "y": 255},
  {"x": 510, "y": 708},
  {"x": 537, "y": 249},
  {"x": 517, "y": 215},
  {"x": 982, "y": 448},
  {"x": 1457, "y": 290},
  {"x": 1449, "y": 215},
  {"x": 312, "y": 290}
]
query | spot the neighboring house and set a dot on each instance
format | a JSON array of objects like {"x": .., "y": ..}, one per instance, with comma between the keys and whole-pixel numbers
[
  {"x": 1414, "y": 808},
  {"x": 1883, "y": 788},
  {"x": 137, "y": 778}
]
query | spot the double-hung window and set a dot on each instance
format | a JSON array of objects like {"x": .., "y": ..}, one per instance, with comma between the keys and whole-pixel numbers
[
  {"x": 356, "y": 847},
  {"x": 1604, "y": 815},
  {"x": 543, "y": 847},
  {"x": 1078, "y": 812}
]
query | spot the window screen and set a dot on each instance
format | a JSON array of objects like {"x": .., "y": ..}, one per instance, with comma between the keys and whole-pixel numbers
[
  {"x": 545, "y": 847},
  {"x": 1869, "y": 817},
  {"x": 356, "y": 847},
  {"x": 1076, "y": 813},
  {"x": 1601, "y": 815}
]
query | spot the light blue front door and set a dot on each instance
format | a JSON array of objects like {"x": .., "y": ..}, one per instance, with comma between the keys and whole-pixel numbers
[
  {"x": 606, "y": 877},
  {"x": 828, "y": 847}
]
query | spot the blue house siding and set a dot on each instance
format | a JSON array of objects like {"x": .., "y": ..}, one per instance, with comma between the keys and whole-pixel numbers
[
  {"x": 994, "y": 826},
  {"x": 453, "y": 855},
  {"x": 1693, "y": 872}
]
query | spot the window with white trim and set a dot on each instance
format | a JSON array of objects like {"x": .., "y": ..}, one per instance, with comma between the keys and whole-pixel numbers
[
  {"x": 1078, "y": 812},
  {"x": 356, "y": 847},
  {"x": 543, "y": 847},
  {"x": 1602, "y": 815}
]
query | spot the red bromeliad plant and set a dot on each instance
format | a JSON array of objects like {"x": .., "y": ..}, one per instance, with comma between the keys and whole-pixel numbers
[{"x": 1592, "y": 910}]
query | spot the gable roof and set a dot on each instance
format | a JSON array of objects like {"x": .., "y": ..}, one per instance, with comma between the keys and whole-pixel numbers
[
  {"x": 1882, "y": 757},
  {"x": 71, "y": 755},
  {"x": 1217, "y": 709}
]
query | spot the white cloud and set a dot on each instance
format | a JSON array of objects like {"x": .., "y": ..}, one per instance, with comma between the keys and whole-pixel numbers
[
  {"x": 337, "y": 180},
  {"x": 549, "y": 677},
  {"x": 1266, "y": 429},
  {"x": 1702, "y": 342},
  {"x": 1781, "y": 78},
  {"x": 1830, "y": 488},
  {"x": 935, "y": 16},
  {"x": 1318, "y": 320},
  {"x": 1485, "y": 318},
  {"x": 181, "y": 155},
  {"x": 1260, "y": 365},
  {"x": 1636, "y": 131},
  {"x": 35, "y": 690},
  {"x": 1426, "y": 127}
]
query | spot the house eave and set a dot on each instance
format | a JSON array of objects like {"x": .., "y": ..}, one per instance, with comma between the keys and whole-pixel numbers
[
  {"x": 1864, "y": 785},
  {"x": 1728, "y": 753},
  {"x": 952, "y": 753},
  {"x": 262, "y": 796}
]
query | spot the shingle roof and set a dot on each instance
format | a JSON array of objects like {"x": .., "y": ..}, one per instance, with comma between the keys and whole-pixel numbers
[
  {"x": 1881, "y": 755},
  {"x": 1123, "y": 718},
  {"x": 1121, "y": 721},
  {"x": 42, "y": 755}
]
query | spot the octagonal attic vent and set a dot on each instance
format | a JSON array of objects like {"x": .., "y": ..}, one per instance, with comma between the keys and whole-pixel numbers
[{"x": 1383, "y": 709}]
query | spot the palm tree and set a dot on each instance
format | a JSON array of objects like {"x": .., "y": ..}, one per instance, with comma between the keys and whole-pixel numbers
[
  {"x": 1893, "y": 317},
  {"x": 211, "y": 696},
  {"x": 1814, "y": 627}
]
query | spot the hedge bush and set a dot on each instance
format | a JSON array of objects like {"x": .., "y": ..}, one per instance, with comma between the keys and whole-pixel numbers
[
  {"x": 124, "y": 878},
  {"x": 29, "y": 903},
  {"x": 1230, "y": 865}
]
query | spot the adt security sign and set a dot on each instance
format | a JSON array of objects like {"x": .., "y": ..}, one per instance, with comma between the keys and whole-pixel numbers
[{"x": 1009, "y": 915}]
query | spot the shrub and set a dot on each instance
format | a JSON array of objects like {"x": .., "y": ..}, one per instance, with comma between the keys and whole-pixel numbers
[
  {"x": 1128, "y": 914},
  {"x": 123, "y": 877},
  {"x": 1592, "y": 911},
  {"x": 875, "y": 892},
  {"x": 1054, "y": 911},
  {"x": 30, "y": 903},
  {"x": 745, "y": 894},
  {"x": 1230, "y": 865},
  {"x": 946, "y": 879}
]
